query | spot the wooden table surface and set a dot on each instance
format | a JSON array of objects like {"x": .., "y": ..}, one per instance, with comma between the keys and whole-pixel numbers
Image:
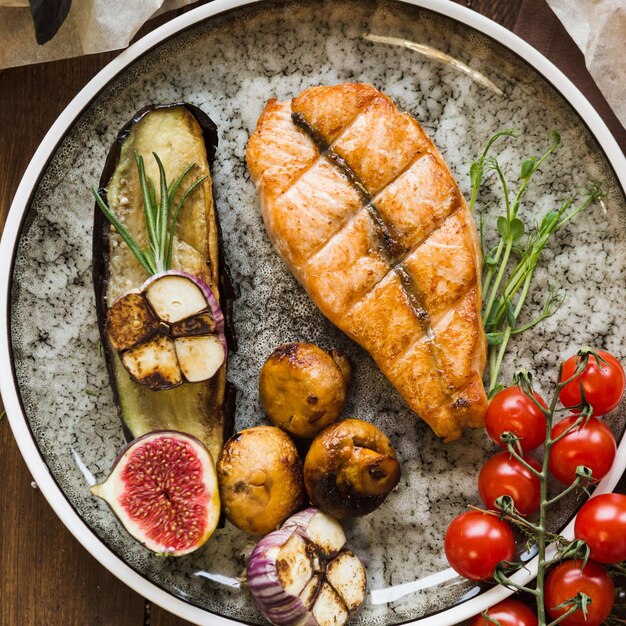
[{"x": 46, "y": 577}]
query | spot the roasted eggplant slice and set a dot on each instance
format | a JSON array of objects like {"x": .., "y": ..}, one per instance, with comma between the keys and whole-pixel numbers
[{"x": 163, "y": 333}]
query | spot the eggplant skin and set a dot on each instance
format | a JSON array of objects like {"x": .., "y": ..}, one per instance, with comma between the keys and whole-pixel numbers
[{"x": 204, "y": 410}]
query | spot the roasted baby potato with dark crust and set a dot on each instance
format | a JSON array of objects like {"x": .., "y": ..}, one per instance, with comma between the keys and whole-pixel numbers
[
  {"x": 260, "y": 479},
  {"x": 350, "y": 468},
  {"x": 303, "y": 388}
]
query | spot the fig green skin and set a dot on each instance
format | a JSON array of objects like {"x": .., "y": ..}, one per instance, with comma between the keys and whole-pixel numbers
[{"x": 213, "y": 488}]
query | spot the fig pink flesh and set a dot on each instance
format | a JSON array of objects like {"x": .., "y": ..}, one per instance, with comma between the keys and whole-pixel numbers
[{"x": 164, "y": 492}]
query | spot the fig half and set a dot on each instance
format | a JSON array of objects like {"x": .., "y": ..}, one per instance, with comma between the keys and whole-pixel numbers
[{"x": 163, "y": 488}]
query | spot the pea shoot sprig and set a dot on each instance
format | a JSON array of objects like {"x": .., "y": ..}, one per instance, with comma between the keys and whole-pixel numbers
[
  {"x": 161, "y": 215},
  {"x": 509, "y": 266}
]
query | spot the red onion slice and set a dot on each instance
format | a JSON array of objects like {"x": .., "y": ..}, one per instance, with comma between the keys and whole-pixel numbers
[
  {"x": 299, "y": 575},
  {"x": 169, "y": 331}
]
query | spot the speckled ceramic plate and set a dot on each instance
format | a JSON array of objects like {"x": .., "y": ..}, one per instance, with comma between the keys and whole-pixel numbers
[{"x": 229, "y": 57}]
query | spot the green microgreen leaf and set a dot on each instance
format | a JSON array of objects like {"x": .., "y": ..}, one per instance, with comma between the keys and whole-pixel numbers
[
  {"x": 494, "y": 339},
  {"x": 549, "y": 220},
  {"x": 476, "y": 173},
  {"x": 528, "y": 167},
  {"x": 477, "y": 168},
  {"x": 516, "y": 229},
  {"x": 503, "y": 226},
  {"x": 510, "y": 314},
  {"x": 495, "y": 390},
  {"x": 509, "y": 266},
  {"x": 490, "y": 260},
  {"x": 551, "y": 306}
]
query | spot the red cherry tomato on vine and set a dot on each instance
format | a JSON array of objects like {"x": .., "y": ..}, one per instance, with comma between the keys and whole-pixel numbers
[
  {"x": 591, "y": 444},
  {"x": 509, "y": 613},
  {"x": 567, "y": 579},
  {"x": 513, "y": 411},
  {"x": 603, "y": 383},
  {"x": 601, "y": 524},
  {"x": 476, "y": 542},
  {"x": 504, "y": 475}
]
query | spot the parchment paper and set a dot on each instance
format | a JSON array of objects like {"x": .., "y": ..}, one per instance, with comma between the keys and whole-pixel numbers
[
  {"x": 599, "y": 29},
  {"x": 91, "y": 26}
]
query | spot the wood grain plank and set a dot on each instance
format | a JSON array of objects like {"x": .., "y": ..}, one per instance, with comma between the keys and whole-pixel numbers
[
  {"x": 46, "y": 577},
  {"x": 161, "y": 617},
  {"x": 505, "y": 12}
]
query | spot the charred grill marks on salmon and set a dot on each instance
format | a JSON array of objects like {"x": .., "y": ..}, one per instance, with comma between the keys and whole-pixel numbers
[
  {"x": 363, "y": 209},
  {"x": 390, "y": 245}
]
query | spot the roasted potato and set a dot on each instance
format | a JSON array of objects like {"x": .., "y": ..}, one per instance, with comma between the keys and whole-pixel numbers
[
  {"x": 260, "y": 479},
  {"x": 350, "y": 468},
  {"x": 303, "y": 388}
]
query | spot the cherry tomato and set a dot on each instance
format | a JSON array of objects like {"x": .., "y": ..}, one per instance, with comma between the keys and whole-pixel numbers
[
  {"x": 603, "y": 383},
  {"x": 509, "y": 613},
  {"x": 476, "y": 542},
  {"x": 513, "y": 411},
  {"x": 504, "y": 475},
  {"x": 601, "y": 524},
  {"x": 591, "y": 444},
  {"x": 567, "y": 579}
]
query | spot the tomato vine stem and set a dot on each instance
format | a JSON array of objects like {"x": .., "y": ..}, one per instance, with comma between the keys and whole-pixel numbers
[{"x": 583, "y": 476}]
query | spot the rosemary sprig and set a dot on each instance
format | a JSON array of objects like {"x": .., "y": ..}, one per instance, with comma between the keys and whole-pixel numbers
[
  {"x": 509, "y": 266},
  {"x": 161, "y": 215}
]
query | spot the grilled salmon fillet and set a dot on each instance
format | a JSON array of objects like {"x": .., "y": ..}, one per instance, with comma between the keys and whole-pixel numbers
[{"x": 366, "y": 214}]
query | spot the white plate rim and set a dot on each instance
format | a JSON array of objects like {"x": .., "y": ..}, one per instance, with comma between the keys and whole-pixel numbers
[{"x": 8, "y": 245}]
